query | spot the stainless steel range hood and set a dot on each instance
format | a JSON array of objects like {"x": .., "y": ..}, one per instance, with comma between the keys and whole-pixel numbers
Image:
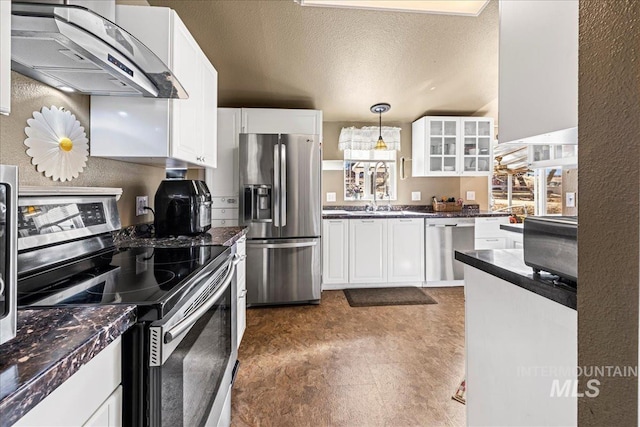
[{"x": 72, "y": 48}]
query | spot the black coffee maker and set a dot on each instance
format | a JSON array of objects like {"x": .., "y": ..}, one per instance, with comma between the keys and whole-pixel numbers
[{"x": 182, "y": 208}]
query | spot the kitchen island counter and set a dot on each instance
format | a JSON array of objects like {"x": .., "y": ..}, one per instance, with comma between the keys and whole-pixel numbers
[
  {"x": 508, "y": 265},
  {"x": 51, "y": 345}
]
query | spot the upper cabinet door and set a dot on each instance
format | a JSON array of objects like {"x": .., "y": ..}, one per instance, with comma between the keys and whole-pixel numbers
[
  {"x": 289, "y": 121},
  {"x": 477, "y": 142},
  {"x": 209, "y": 115},
  {"x": 538, "y": 84},
  {"x": 5, "y": 57},
  {"x": 188, "y": 117}
]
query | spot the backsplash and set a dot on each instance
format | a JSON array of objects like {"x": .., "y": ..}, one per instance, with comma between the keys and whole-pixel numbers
[{"x": 28, "y": 96}]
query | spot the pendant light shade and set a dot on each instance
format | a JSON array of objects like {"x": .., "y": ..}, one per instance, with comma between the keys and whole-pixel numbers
[{"x": 379, "y": 109}]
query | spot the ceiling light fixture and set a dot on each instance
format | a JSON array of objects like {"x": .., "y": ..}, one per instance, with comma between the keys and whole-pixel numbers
[
  {"x": 380, "y": 108},
  {"x": 442, "y": 7}
]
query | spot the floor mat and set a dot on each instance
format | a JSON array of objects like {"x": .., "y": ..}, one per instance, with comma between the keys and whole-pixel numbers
[{"x": 369, "y": 297}]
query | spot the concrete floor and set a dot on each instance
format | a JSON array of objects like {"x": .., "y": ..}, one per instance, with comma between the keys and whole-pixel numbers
[{"x": 334, "y": 365}]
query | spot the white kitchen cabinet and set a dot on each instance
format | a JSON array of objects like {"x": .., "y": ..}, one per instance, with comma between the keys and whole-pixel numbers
[
  {"x": 88, "y": 396},
  {"x": 515, "y": 240},
  {"x": 168, "y": 132},
  {"x": 273, "y": 120},
  {"x": 241, "y": 283},
  {"x": 335, "y": 251},
  {"x": 487, "y": 233},
  {"x": 109, "y": 413},
  {"x": 452, "y": 146},
  {"x": 552, "y": 155},
  {"x": 518, "y": 344},
  {"x": 368, "y": 251},
  {"x": 405, "y": 250},
  {"x": 223, "y": 181},
  {"x": 538, "y": 69},
  {"x": 5, "y": 57}
]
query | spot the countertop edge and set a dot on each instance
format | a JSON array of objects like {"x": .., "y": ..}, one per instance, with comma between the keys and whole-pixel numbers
[
  {"x": 16, "y": 405},
  {"x": 514, "y": 228},
  {"x": 428, "y": 215},
  {"x": 556, "y": 294}
]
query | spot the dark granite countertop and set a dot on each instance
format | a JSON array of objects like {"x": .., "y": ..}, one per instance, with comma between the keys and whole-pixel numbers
[
  {"x": 342, "y": 214},
  {"x": 508, "y": 264},
  {"x": 51, "y": 345},
  {"x": 143, "y": 236},
  {"x": 516, "y": 228}
]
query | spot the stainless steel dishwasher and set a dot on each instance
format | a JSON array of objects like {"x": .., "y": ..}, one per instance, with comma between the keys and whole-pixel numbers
[{"x": 443, "y": 236}]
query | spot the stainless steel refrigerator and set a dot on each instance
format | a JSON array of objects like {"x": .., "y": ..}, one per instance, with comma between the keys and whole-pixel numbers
[{"x": 280, "y": 202}]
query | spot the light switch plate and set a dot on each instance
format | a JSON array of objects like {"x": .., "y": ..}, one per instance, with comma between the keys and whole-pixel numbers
[
  {"x": 471, "y": 195},
  {"x": 331, "y": 197},
  {"x": 416, "y": 195},
  {"x": 570, "y": 200}
]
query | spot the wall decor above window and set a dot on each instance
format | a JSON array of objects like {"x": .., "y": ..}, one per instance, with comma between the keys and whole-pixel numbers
[{"x": 58, "y": 145}]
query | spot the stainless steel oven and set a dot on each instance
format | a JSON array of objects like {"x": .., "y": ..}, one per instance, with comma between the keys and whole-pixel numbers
[
  {"x": 180, "y": 356},
  {"x": 8, "y": 251},
  {"x": 193, "y": 353}
]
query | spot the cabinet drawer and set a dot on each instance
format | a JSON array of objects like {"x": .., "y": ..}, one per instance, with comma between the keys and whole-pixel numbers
[
  {"x": 224, "y": 202},
  {"x": 241, "y": 246},
  {"x": 490, "y": 227},
  {"x": 226, "y": 213},
  {"x": 224, "y": 223},
  {"x": 491, "y": 243}
]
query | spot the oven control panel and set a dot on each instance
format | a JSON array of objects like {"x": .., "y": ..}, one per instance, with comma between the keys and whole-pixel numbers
[{"x": 34, "y": 220}]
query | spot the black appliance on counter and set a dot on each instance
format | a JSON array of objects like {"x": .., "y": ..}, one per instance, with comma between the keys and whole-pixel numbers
[
  {"x": 182, "y": 208},
  {"x": 551, "y": 244},
  {"x": 185, "y": 299}
]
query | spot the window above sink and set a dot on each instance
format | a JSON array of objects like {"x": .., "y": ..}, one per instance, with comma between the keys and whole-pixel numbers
[{"x": 361, "y": 174}]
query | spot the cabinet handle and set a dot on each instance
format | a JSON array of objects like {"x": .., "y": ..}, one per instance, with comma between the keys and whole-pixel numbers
[
  {"x": 335, "y": 220},
  {"x": 222, "y": 210},
  {"x": 366, "y": 220},
  {"x": 490, "y": 240},
  {"x": 406, "y": 220}
]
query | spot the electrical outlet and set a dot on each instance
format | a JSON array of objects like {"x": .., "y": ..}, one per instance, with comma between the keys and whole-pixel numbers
[
  {"x": 570, "y": 200},
  {"x": 471, "y": 195},
  {"x": 331, "y": 197},
  {"x": 416, "y": 195},
  {"x": 141, "y": 202}
]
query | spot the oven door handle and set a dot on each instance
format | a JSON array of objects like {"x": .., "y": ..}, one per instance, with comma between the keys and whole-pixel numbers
[{"x": 184, "y": 324}]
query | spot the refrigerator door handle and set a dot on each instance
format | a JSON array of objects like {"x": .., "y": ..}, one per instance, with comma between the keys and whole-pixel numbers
[
  {"x": 260, "y": 245},
  {"x": 283, "y": 167},
  {"x": 276, "y": 185}
]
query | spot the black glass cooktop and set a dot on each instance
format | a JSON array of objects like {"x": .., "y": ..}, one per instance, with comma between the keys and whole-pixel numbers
[{"x": 154, "y": 279}]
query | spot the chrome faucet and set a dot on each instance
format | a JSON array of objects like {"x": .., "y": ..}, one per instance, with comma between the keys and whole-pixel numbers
[{"x": 385, "y": 184}]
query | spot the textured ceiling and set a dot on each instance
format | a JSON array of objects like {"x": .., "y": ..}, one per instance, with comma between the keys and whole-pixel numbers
[{"x": 276, "y": 53}]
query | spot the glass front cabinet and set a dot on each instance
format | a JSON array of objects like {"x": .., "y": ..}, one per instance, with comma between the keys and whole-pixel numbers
[{"x": 452, "y": 146}]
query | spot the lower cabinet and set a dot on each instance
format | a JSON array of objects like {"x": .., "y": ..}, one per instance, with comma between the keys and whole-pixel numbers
[
  {"x": 488, "y": 234},
  {"x": 241, "y": 282},
  {"x": 92, "y": 396},
  {"x": 335, "y": 251},
  {"x": 406, "y": 250},
  {"x": 370, "y": 252}
]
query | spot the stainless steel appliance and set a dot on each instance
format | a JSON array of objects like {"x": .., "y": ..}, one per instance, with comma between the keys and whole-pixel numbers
[
  {"x": 280, "y": 202},
  {"x": 182, "y": 207},
  {"x": 180, "y": 357},
  {"x": 444, "y": 236},
  {"x": 8, "y": 251},
  {"x": 73, "y": 48},
  {"x": 551, "y": 244}
]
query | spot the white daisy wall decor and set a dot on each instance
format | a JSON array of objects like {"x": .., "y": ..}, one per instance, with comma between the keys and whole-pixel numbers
[{"x": 58, "y": 145}]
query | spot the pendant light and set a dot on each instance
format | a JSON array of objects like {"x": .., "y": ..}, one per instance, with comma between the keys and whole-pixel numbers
[{"x": 380, "y": 108}]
